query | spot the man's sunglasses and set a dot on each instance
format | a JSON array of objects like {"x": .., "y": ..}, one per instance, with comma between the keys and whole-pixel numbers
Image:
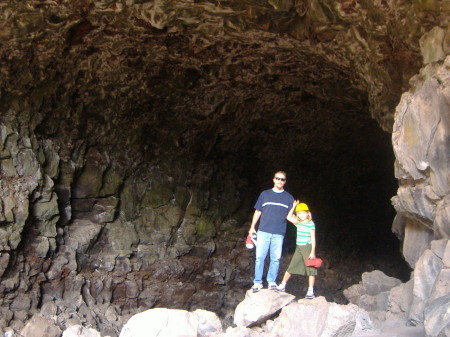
[{"x": 281, "y": 179}]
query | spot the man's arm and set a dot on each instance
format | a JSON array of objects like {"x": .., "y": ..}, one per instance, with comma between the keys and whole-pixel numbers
[
  {"x": 255, "y": 219},
  {"x": 290, "y": 215}
]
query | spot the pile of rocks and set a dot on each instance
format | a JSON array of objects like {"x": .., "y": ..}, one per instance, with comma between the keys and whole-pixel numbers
[
  {"x": 379, "y": 303},
  {"x": 423, "y": 300}
]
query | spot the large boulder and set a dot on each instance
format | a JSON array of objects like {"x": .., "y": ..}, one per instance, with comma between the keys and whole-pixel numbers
[
  {"x": 425, "y": 276},
  {"x": 372, "y": 284},
  {"x": 317, "y": 318},
  {"x": 257, "y": 307},
  {"x": 162, "y": 322},
  {"x": 40, "y": 326}
]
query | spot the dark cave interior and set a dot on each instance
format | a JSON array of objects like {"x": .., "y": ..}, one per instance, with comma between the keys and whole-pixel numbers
[
  {"x": 337, "y": 157},
  {"x": 213, "y": 116},
  {"x": 347, "y": 179}
]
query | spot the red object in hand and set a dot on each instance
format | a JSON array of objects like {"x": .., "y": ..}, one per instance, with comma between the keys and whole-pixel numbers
[
  {"x": 250, "y": 242},
  {"x": 315, "y": 262}
]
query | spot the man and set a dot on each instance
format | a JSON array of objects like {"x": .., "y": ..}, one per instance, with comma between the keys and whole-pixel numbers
[{"x": 271, "y": 209}]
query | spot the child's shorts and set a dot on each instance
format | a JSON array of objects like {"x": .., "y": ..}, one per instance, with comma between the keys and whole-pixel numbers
[{"x": 297, "y": 265}]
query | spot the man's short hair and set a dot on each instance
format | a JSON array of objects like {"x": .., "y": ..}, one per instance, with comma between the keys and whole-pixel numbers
[{"x": 282, "y": 172}]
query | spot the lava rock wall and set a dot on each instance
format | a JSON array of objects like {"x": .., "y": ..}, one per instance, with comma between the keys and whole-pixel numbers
[
  {"x": 89, "y": 243},
  {"x": 421, "y": 141}
]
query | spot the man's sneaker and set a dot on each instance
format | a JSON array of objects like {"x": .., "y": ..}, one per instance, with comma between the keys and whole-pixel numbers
[
  {"x": 309, "y": 295},
  {"x": 257, "y": 287},
  {"x": 272, "y": 286},
  {"x": 281, "y": 287}
]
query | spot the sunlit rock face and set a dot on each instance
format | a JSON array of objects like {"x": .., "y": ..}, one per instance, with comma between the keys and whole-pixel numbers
[
  {"x": 421, "y": 143},
  {"x": 135, "y": 137}
]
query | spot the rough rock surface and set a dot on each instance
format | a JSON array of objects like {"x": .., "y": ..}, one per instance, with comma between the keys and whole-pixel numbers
[
  {"x": 258, "y": 307},
  {"x": 312, "y": 318},
  {"x": 164, "y": 322},
  {"x": 315, "y": 318},
  {"x": 420, "y": 139},
  {"x": 422, "y": 301}
]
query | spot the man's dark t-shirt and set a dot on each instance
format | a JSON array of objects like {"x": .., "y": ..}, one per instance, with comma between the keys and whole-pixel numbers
[{"x": 275, "y": 207}]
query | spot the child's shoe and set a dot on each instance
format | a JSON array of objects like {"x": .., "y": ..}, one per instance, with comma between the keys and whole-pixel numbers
[
  {"x": 310, "y": 294},
  {"x": 281, "y": 287}
]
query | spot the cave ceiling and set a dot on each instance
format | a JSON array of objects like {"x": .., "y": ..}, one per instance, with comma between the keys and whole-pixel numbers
[{"x": 208, "y": 76}]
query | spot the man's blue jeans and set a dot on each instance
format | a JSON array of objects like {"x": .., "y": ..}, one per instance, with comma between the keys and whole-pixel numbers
[{"x": 268, "y": 242}]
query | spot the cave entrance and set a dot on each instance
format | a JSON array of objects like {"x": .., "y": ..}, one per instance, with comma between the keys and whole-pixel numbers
[{"x": 341, "y": 163}]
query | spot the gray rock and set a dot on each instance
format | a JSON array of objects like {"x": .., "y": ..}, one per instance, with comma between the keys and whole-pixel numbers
[
  {"x": 438, "y": 247},
  {"x": 89, "y": 183},
  {"x": 21, "y": 302},
  {"x": 446, "y": 257},
  {"x": 419, "y": 139},
  {"x": 52, "y": 159},
  {"x": 82, "y": 233},
  {"x": 425, "y": 275},
  {"x": 80, "y": 331},
  {"x": 27, "y": 164},
  {"x": 49, "y": 309},
  {"x": 161, "y": 322},
  {"x": 122, "y": 236},
  {"x": 400, "y": 299},
  {"x": 441, "y": 220},
  {"x": 257, "y": 307},
  {"x": 40, "y": 326},
  {"x": 377, "y": 282},
  {"x": 239, "y": 331},
  {"x": 354, "y": 292},
  {"x": 111, "y": 314},
  {"x": 4, "y": 259},
  {"x": 441, "y": 286},
  {"x": 208, "y": 323},
  {"x": 437, "y": 317},
  {"x": 416, "y": 240},
  {"x": 315, "y": 318},
  {"x": 431, "y": 45},
  {"x": 377, "y": 302},
  {"x": 41, "y": 246}
]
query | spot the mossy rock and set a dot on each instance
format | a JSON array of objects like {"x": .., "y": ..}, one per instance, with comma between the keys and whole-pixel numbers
[{"x": 205, "y": 227}]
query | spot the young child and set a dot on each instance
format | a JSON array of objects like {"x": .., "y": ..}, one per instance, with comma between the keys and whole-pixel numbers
[{"x": 306, "y": 247}]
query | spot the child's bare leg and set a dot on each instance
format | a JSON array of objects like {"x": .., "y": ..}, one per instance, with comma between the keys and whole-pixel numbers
[
  {"x": 310, "y": 292},
  {"x": 286, "y": 277},
  {"x": 311, "y": 280}
]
